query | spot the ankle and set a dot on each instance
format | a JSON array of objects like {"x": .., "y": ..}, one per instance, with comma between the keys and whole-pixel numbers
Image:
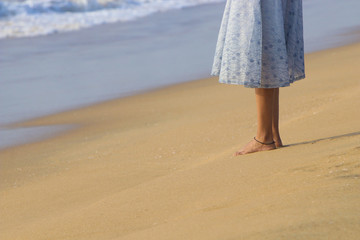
[
  {"x": 264, "y": 143},
  {"x": 266, "y": 138}
]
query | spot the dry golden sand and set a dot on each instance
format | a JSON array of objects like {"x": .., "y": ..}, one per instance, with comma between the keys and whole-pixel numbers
[{"x": 159, "y": 165}]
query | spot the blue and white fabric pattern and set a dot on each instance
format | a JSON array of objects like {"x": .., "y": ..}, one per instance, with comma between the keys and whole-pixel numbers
[{"x": 260, "y": 43}]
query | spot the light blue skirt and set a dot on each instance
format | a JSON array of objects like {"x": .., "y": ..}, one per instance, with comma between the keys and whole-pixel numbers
[{"x": 260, "y": 43}]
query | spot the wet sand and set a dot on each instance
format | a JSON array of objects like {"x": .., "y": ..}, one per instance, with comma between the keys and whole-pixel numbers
[{"x": 159, "y": 165}]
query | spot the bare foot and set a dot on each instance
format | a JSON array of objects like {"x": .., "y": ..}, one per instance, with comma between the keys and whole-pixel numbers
[{"x": 254, "y": 146}]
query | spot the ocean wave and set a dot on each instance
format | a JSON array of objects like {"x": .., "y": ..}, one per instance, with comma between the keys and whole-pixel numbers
[{"x": 25, "y": 18}]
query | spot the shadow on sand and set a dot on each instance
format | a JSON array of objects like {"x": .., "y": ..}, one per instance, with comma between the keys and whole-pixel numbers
[{"x": 322, "y": 139}]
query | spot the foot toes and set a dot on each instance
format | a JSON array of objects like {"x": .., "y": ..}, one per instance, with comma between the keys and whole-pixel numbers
[{"x": 238, "y": 153}]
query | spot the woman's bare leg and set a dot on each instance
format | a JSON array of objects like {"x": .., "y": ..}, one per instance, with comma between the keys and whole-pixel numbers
[
  {"x": 275, "y": 120},
  {"x": 265, "y": 106}
]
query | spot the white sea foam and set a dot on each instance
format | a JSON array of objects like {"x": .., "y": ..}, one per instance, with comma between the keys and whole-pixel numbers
[{"x": 24, "y": 18}]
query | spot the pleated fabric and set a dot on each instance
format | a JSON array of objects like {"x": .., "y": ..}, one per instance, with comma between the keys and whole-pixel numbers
[{"x": 260, "y": 43}]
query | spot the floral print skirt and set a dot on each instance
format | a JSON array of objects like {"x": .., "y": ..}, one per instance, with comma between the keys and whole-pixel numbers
[{"x": 260, "y": 43}]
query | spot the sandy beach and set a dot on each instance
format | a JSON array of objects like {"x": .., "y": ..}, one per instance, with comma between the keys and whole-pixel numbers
[{"x": 160, "y": 165}]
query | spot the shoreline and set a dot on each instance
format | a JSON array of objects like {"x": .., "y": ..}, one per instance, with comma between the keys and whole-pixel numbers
[
  {"x": 100, "y": 63},
  {"x": 120, "y": 59},
  {"x": 58, "y": 130}
]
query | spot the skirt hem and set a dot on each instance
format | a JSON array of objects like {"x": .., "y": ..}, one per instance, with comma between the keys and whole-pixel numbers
[{"x": 249, "y": 85}]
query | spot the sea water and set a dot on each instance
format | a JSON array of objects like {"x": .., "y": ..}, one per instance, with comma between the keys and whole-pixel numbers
[
  {"x": 22, "y": 18},
  {"x": 57, "y": 55}
]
